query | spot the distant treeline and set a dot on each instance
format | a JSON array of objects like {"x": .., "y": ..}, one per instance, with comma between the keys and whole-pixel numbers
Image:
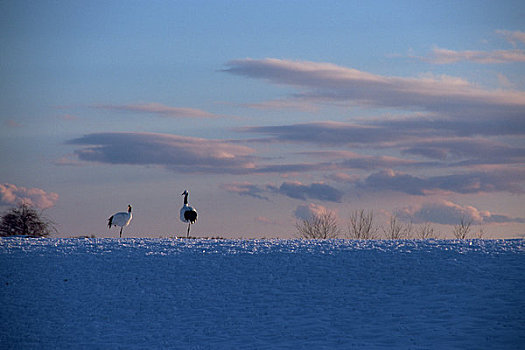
[{"x": 361, "y": 225}]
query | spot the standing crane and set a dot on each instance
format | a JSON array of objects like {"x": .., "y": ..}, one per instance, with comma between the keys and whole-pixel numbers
[
  {"x": 121, "y": 219},
  {"x": 188, "y": 214}
]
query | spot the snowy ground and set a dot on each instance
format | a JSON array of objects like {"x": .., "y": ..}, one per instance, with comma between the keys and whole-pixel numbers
[{"x": 207, "y": 294}]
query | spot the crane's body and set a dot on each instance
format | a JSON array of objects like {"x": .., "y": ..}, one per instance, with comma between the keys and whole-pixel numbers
[{"x": 121, "y": 219}]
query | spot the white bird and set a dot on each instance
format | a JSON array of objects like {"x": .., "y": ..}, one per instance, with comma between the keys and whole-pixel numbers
[
  {"x": 121, "y": 219},
  {"x": 188, "y": 214}
]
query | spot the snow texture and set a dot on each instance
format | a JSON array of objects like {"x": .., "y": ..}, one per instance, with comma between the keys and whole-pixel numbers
[{"x": 261, "y": 294}]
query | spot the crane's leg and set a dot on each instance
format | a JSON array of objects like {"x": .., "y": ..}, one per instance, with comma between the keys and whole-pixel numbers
[
  {"x": 121, "y": 232},
  {"x": 188, "y": 234}
]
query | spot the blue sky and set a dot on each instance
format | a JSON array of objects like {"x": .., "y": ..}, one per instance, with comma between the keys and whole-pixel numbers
[{"x": 265, "y": 112}]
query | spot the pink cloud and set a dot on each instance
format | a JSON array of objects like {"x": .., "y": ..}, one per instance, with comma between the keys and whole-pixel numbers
[
  {"x": 321, "y": 82},
  {"x": 343, "y": 177},
  {"x": 11, "y": 194},
  {"x": 450, "y": 213},
  {"x": 513, "y": 36},
  {"x": 445, "y": 56},
  {"x": 298, "y": 104},
  {"x": 162, "y": 110},
  {"x": 502, "y": 180},
  {"x": 181, "y": 153},
  {"x": 246, "y": 189},
  {"x": 304, "y": 212}
]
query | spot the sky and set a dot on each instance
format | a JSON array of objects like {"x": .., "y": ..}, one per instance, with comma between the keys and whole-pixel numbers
[{"x": 266, "y": 112}]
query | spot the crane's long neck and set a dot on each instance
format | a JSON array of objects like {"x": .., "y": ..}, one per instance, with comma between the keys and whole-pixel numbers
[{"x": 186, "y": 198}]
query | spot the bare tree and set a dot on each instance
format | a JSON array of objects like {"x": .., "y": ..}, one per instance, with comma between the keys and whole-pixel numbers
[
  {"x": 360, "y": 225},
  {"x": 462, "y": 229},
  {"x": 426, "y": 231},
  {"x": 25, "y": 220},
  {"x": 397, "y": 230},
  {"x": 481, "y": 232},
  {"x": 318, "y": 226}
]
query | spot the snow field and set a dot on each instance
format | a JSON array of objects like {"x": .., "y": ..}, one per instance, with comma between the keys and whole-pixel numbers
[{"x": 268, "y": 294}]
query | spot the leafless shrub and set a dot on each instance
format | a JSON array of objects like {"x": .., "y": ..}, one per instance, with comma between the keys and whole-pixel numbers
[
  {"x": 25, "y": 220},
  {"x": 462, "y": 229},
  {"x": 397, "y": 230},
  {"x": 426, "y": 231},
  {"x": 480, "y": 233},
  {"x": 318, "y": 226},
  {"x": 360, "y": 225}
]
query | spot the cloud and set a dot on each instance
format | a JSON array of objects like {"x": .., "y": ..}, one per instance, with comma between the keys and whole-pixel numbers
[
  {"x": 245, "y": 189},
  {"x": 328, "y": 133},
  {"x": 297, "y": 104},
  {"x": 352, "y": 160},
  {"x": 11, "y": 195},
  {"x": 387, "y": 132},
  {"x": 188, "y": 154},
  {"x": 329, "y": 82},
  {"x": 290, "y": 168},
  {"x": 446, "y": 56},
  {"x": 335, "y": 161},
  {"x": 423, "y": 136},
  {"x": 466, "y": 183},
  {"x": 179, "y": 153},
  {"x": 495, "y": 179},
  {"x": 160, "y": 109},
  {"x": 449, "y": 213},
  {"x": 476, "y": 151},
  {"x": 451, "y": 123},
  {"x": 343, "y": 177},
  {"x": 465, "y": 143},
  {"x": 317, "y": 191},
  {"x": 514, "y": 37},
  {"x": 305, "y": 212},
  {"x": 296, "y": 190},
  {"x": 455, "y": 124},
  {"x": 69, "y": 160}
]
